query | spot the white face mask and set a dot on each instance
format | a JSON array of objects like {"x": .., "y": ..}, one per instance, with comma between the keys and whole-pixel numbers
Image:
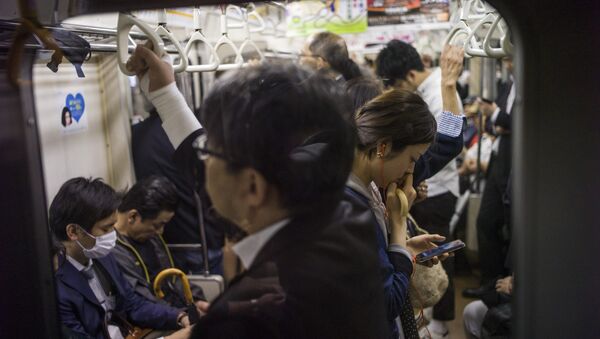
[{"x": 104, "y": 244}]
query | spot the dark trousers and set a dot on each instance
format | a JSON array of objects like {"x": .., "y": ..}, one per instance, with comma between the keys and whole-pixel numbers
[
  {"x": 434, "y": 216},
  {"x": 490, "y": 222}
]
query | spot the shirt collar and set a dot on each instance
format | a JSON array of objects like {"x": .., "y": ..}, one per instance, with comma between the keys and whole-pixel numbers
[
  {"x": 356, "y": 184},
  {"x": 431, "y": 80},
  {"x": 78, "y": 266},
  {"x": 248, "y": 248}
]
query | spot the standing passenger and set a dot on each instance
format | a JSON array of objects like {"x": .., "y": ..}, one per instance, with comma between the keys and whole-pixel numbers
[
  {"x": 278, "y": 152},
  {"x": 153, "y": 154},
  {"x": 327, "y": 53},
  {"x": 400, "y": 66},
  {"x": 394, "y": 130}
]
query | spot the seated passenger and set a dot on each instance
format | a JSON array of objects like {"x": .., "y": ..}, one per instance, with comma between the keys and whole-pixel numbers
[
  {"x": 141, "y": 251},
  {"x": 94, "y": 298},
  {"x": 490, "y": 317},
  {"x": 278, "y": 152},
  {"x": 394, "y": 130}
]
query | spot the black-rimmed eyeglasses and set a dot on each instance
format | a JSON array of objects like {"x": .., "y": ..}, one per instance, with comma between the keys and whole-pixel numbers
[{"x": 203, "y": 152}]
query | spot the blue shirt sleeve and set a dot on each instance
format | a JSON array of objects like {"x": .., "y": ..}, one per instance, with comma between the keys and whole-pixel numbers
[{"x": 396, "y": 269}]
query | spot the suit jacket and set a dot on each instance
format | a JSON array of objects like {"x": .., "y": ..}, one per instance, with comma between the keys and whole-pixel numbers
[
  {"x": 134, "y": 269},
  {"x": 81, "y": 312},
  {"x": 501, "y": 161},
  {"x": 318, "y": 277},
  {"x": 153, "y": 154},
  {"x": 443, "y": 150}
]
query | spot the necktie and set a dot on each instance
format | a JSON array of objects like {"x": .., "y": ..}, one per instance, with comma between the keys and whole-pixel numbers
[{"x": 88, "y": 272}]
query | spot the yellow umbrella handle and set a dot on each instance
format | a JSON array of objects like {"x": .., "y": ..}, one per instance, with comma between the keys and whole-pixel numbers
[{"x": 187, "y": 291}]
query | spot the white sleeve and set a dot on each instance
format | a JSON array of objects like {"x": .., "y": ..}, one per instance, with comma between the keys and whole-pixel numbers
[
  {"x": 178, "y": 120},
  {"x": 495, "y": 115}
]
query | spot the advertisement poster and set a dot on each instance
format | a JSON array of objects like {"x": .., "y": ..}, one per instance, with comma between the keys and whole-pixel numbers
[
  {"x": 72, "y": 114},
  {"x": 337, "y": 16},
  {"x": 393, "y": 12}
]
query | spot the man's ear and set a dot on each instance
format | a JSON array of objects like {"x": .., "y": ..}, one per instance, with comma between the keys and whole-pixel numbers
[
  {"x": 255, "y": 187},
  {"x": 132, "y": 215},
  {"x": 411, "y": 77},
  {"x": 71, "y": 231}
]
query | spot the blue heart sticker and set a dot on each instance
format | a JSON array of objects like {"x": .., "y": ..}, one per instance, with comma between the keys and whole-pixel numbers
[{"x": 76, "y": 105}]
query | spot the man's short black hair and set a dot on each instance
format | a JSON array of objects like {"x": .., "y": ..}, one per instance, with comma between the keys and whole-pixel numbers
[
  {"x": 150, "y": 196},
  {"x": 396, "y": 60},
  {"x": 288, "y": 124},
  {"x": 81, "y": 201}
]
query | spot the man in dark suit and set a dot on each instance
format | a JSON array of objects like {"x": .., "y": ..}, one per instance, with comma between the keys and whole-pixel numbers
[
  {"x": 492, "y": 215},
  {"x": 94, "y": 299},
  {"x": 153, "y": 154},
  {"x": 278, "y": 152}
]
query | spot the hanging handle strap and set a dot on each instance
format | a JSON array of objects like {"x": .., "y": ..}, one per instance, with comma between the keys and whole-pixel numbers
[
  {"x": 197, "y": 36},
  {"x": 505, "y": 45},
  {"x": 460, "y": 29},
  {"x": 239, "y": 13},
  {"x": 163, "y": 32},
  {"x": 472, "y": 46},
  {"x": 249, "y": 43},
  {"x": 225, "y": 41},
  {"x": 258, "y": 18},
  {"x": 124, "y": 25}
]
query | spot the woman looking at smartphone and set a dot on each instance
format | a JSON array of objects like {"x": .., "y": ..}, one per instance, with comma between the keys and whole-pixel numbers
[{"x": 394, "y": 130}]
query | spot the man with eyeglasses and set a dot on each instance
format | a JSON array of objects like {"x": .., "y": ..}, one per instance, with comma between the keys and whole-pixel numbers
[{"x": 278, "y": 152}]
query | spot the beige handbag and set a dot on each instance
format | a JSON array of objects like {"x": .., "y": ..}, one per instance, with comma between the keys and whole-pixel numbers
[{"x": 427, "y": 284}]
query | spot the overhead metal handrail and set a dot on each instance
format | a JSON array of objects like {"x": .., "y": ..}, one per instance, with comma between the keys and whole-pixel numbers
[
  {"x": 164, "y": 32},
  {"x": 199, "y": 36},
  {"x": 124, "y": 24}
]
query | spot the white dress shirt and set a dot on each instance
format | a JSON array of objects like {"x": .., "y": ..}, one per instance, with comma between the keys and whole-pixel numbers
[
  {"x": 107, "y": 302},
  {"x": 248, "y": 248},
  {"x": 430, "y": 90}
]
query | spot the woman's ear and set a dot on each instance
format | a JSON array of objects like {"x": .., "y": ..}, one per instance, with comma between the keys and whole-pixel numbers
[{"x": 384, "y": 148}]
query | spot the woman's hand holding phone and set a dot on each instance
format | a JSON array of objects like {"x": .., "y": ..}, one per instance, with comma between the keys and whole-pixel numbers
[{"x": 425, "y": 242}]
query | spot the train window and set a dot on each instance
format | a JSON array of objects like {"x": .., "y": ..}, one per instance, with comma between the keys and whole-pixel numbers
[{"x": 78, "y": 109}]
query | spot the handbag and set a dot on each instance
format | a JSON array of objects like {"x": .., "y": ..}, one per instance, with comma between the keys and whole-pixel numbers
[{"x": 427, "y": 284}]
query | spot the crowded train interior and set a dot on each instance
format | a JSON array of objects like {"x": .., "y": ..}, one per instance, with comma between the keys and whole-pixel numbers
[{"x": 299, "y": 169}]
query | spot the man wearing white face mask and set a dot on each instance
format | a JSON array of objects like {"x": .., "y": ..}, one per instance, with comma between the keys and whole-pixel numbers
[{"x": 93, "y": 296}]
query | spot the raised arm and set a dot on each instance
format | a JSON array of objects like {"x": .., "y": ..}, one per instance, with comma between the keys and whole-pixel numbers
[{"x": 157, "y": 82}]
